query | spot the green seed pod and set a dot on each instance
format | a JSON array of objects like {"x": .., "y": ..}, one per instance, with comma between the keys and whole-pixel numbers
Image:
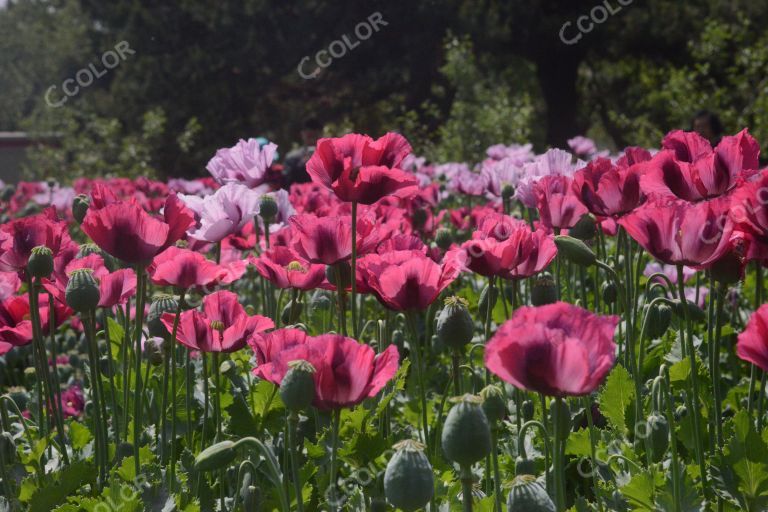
[
  {"x": 105, "y": 367},
  {"x": 298, "y": 387},
  {"x": 529, "y": 495},
  {"x": 88, "y": 249},
  {"x": 320, "y": 301},
  {"x": 40, "y": 263},
  {"x": 292, "y": 312},
  {"x": 444, "y": 238},
  {"x": 527, "y": 410},
  {"x": 20, "y": 396},
  {"x": 564, "y": 418},
  {"x": 575, "y": 251},
  {"x": 251, "y": 499},
  {"x": 153, "y": 350},
  {"x": 525, "y": 466},
  {"x": 585, "y": 228},
  {"x": 268, "y": 208},
  {"x": 507, "y": 191},
  {"x": 455, "y": 327},
  {"x": 216, "y": 457},
  {"x": 80, "y": 206},
  {"x": 342, "y": 271},
  {"x": 7, "y": 448},
  {"x": 82, "y": 293},
  {"x": 659, "y": 318},
  {"x": 466, "y": 434},
  {"x": 8, "y": 192},
  {"x": 494, "y": 404},
  {"x": 544, "y": 290},
  {"x": 419, "y": 218},
  {"x": 482, "y": 306},
  {"x": 657, "y": 436},
  {"x": 609, "y": 292},
  {"x": 695, "y": 312},
  {"x": 408, "y": 480},
  {"x": 161, "y": 304}
]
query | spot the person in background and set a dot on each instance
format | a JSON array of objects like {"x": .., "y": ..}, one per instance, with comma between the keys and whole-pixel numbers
[
  {"x": 295, "y": 166},
  {"x": 708, "y": 125}
]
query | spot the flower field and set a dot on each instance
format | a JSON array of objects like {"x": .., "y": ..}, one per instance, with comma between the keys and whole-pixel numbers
[{"x": 572, "y": 330}]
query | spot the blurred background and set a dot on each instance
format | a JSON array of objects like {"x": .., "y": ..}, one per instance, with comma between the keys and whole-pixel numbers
[{"x": 131, "y": 87}]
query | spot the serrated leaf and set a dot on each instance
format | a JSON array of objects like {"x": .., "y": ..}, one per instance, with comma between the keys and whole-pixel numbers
[
  {"x": 617, "y": 394},
  {"x": 578, "y": 444},
  {"x": 79, "y": 434},
  {"x": 69, "y": 480},
  {"x": 639, "y": 492}
]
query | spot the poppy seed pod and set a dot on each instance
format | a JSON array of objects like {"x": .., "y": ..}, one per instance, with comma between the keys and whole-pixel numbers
[
  {"x": 80, "y": 205},
  {"x": 575, "y": 251},
  {"x": 82, "y": 293},
  {"x": 443, "y": 238},
  {"x": 40, "y": 263},
  {"x": 160, "y": 305},
  {"x": 268, "y": 208},
  {"x": 657, "y": 436},
  {"x": 507, "y": 191},
  {"x": 609, "y": 292},
  {"x": 216, "y": 456},
  {"x": 584, "y": 229},
  {"x": 408, "y": 480},
  {"x": 466, "y": 434},
  {"x": 529, "y": 495},
  {"x": 88, "y": 249},
  {"x": 455, "y": 327},
  {"x": 544, "y": 290},
  {"x": 527, "y": 410},
  {"x": 494, "y": 405},
  {"x": 659, "y": 318},
  {"x": 298, "y": 386}
]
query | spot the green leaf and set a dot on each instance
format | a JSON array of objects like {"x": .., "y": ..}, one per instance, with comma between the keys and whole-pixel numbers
[
  {"x": 617, "y": 394},
  {"x": 69, "y": 480},
  {"x": 578, "y": 444},
  {"x": 79, "y": 435},
  {"x": 747, "y": 454},
  {"x": 116, "y": 336},
  {"x": 639, "y": 492},
  {"x": 242, "y": 422}
]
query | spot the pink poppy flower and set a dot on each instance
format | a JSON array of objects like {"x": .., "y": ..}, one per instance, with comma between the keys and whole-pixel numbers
[
  {"x": 127, "y": 232},
  {"x": 285, "y": 269},
  {"x": 185, "y": 270},
  {"x": 222, "y": 326},
  {"x": 346, "y": 371},
  {"x": 359, "y": 169},
  {"x": 247, "y": 162},
  {"x": 558, "y": 349},
  {"x": 558, "y": 205},
  {"x": 681, "y": 233},
  {"x": 752, "y": 344},
  {"x": 407, "y": 280},
  {"x": 607, "y": 190}
]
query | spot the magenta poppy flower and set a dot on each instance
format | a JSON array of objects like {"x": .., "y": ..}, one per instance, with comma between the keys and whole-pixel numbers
[
  {"x": 407, "y": 280},
  {"x": 752, "y": 344},
  {"x": 285, "y": 269},
  {"x": 114, "y": 287},
  {"x": 607, "y": 190},
  {"x": 186, "y": 269},
  {"x": 749, "y": 213},
  {"x": 19, "y": 236},
  {"x": 328, "y": 240},
  {"x": 559, "y": 207},
  {"x": 360, "y": 169},
  {"x": 222, "y": 326},
  {"x": 346, "y": 371},
  {"x": 527, "y": 253},
  {"x": 15, "y": 322},
  {"x": 681, "y": 233},
  {"x": 9, "y": 284},
  {"x": 558, "y": 349},
  {"x": 689, "y": 169},
  {"x": 127, "y": 232},
  {"x": 246, "y": 162},
  {"x": 73, "y": 401}
]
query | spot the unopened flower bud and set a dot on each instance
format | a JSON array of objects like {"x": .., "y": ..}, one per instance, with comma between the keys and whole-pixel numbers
[
  {"x": 80, "y": 205},
  {"x": 575, "y": 251}
]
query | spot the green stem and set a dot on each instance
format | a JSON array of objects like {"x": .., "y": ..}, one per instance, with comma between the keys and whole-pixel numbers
[
  {"x": 592, "y": 450},
  {"x": 293, "y": 422},
  {"x": 687, "y": 334},
  {"x": 456, "y": 361},
  {"x": 496, "y": 472},
  {"x": 172, "y": 472},
  {"x": 353, "y": 301},
  {"x": 466, "y": 488},
  {"x": 720, "y": 299},
  {"x": 675, "y": 467},
  {"x": 137, "y": 394},
  {"x": 557, "y": 457},
  {"x": 332, "y": 491},
  {"x": 415, "y": 350}
]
